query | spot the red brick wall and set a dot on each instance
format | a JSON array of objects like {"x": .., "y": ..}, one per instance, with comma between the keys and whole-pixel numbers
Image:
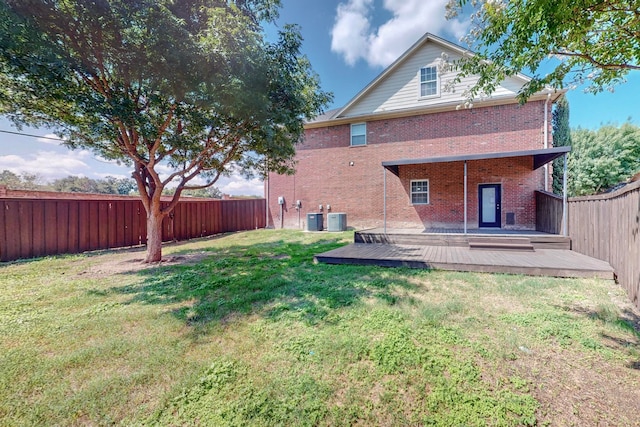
[
  {"x": 446, "y": 193},
  {"x": 325, "y": 174}
]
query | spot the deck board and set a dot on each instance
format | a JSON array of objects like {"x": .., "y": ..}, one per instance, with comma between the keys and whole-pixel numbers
[{"x": 542, "y": 262}]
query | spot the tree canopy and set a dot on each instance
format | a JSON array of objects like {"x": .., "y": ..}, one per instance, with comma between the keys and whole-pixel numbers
[
  {"x": 211, "y": 192},
  {"x": 583, "y": 41},
  {"x": 82, "y": 184},
  {"x": 175, "y": 88},
  {"x": 602, "y": 158},
  {"x": 16, "y": 181},
  {"x": 561, "y": 138}
]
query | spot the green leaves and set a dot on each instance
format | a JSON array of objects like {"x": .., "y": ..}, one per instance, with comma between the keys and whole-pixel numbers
[
  {"x": 603, "y": 158},
  {"x": 188, "y": 86},
  {"x": 586, "y": 41},
  {"x": 561, "y": 138},
  {"x": 191, "y": 83}
]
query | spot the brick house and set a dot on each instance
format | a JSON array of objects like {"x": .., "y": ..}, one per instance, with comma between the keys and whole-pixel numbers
[{"x": 403, "y": 154}]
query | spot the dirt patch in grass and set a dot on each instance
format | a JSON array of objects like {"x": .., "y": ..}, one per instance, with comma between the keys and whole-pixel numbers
[
  {"x": 132, "y": 260},
  {"x": 583, "y": 391}
]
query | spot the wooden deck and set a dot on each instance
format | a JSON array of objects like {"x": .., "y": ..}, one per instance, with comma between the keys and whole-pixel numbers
[
  {"x": 541, "y": 262},
  {"x": 455, "y": 237}
]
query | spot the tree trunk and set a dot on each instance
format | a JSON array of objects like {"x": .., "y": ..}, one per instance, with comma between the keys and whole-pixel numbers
[{"x": 154, "y": 235}]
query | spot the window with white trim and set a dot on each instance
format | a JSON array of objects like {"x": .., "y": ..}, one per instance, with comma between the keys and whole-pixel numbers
[
  {"x": 358, "y": 134},
  {"x": 420, "y": 192},
  {"x": 429, "y": 82}
]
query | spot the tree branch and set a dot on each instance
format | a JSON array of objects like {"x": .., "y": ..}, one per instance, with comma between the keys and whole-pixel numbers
[{"x": 599, "y": 64}]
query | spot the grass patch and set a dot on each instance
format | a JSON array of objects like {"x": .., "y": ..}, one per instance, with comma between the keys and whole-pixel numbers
[{"x": 247, "y": 330}]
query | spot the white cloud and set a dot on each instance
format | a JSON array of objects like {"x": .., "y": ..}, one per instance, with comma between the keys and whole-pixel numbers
[
  {"x": 48, "y": 164},
  {"x": 350, "y": 32},
  {"x": 354, "y": 38},
  {"x": 238, "y": 186},
  {"x": 234, "y": 184},
  {"x": 103, "y": 175}
]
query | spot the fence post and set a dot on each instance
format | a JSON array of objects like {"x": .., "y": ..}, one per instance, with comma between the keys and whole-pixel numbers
[{"x": 564, "y": 197}]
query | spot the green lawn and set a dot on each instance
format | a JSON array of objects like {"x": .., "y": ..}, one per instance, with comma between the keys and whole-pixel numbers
[{"x": 245, "y": 329}]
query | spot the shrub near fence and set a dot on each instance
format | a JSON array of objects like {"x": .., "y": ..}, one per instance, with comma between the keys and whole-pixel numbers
[
  {"x": 31, "y": 227},
  {"x": 607, "y": 227}
]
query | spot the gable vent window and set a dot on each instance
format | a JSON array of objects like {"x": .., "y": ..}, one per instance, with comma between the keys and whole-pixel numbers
[
  {"x": 359, "y": 134},
  {"x": 429, "y": 81},
  {"x": 420, "y": 192}
]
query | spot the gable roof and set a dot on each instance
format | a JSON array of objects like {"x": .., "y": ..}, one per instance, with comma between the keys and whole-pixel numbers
[{"x": 338, "y": 115}]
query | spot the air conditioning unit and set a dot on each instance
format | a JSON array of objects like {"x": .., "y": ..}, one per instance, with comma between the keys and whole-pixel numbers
[
  {"x": 337, "y": 222},
  {"x": 315, "y": 222}
]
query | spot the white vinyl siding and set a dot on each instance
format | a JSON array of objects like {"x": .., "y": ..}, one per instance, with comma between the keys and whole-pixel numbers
[
  {"x": 401, "y": 88},
  {"x": 429, "y": 82},
  {"x": 358, "y": 134},
  {"x": 420, "y": 192}
]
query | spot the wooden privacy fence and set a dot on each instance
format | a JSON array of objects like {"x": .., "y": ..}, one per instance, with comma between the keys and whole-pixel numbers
[
  {"x": 548, "y": 212},
  {"x": 32, "y": 227},
  {"x": 607, "y": 227}
]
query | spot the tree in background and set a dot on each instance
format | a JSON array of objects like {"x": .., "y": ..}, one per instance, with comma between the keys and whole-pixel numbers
[
  {"x": 208, "y": 193},
  {"x": 23, "y": 181},
  {"x": 75, "y": 184},
  {"x": 602, "y": 158},
  {"x": 590, "y": 40},
  {"x": 185, "y": 87},
  {"x": 70, "y": 184},
  {"x": 561, "y": 138},
  {"x": 108, "y": 185},
  {"x": 113, "y": 185}
]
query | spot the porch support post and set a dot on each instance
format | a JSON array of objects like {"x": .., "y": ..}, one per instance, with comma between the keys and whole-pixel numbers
[
  {"x": 564, "y": 197},
  {"x": 384, "y": 200},
  {"x": 268, "y": 183},
  {"x": 465, "y": 197}
]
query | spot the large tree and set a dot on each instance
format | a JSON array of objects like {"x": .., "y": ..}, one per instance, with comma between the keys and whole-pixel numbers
[
  {"x": 175, "y": 88},
  {"x": 561, "y": 138},
  {"x": 581, "y": 41}
]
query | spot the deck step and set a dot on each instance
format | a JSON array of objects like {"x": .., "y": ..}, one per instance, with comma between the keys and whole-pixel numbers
[{"x": 501, "y": 244}]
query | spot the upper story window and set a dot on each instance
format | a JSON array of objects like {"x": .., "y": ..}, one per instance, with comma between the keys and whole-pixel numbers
[
  {"x": 420, "y": 192},
  {"x": 429, "y": 81},
  {"x": 359, "y": 134}
]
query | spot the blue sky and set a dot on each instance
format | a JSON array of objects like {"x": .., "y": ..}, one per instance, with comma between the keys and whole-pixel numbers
[{"x": 349, "y": 42}]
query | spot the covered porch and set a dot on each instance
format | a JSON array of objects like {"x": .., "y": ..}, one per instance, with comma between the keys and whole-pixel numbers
[
  {"x": 470, "y": 193},
  {"x": 472, "y": 245}
]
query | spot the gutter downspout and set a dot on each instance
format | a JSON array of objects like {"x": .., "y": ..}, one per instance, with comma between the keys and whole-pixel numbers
[{"x": 546, "y": 140}]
